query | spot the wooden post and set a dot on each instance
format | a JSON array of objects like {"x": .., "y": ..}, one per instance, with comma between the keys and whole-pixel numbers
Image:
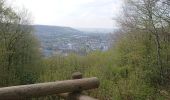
[
  {"x": 76, "y": 95},
  {"x": 77, "y": 75},
  {"x": 73, "y": 95}
]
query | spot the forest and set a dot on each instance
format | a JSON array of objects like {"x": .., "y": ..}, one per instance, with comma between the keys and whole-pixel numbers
[{"x": 137, "y": 67}]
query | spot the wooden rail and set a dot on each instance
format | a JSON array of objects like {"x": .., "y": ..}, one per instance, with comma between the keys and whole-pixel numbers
[{"x": 71, "y": 88}]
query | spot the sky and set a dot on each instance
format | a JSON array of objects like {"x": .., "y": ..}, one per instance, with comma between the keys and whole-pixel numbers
[{"x": 72, "y": 13}]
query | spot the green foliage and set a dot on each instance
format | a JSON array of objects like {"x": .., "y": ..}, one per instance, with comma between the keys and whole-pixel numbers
[
  {"x": 19, "y": 55},
  {"x": 129, "y": 71}
]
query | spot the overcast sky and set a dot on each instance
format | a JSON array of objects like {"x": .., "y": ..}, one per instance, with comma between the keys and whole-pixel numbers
[{"x": 73, "y": 13}]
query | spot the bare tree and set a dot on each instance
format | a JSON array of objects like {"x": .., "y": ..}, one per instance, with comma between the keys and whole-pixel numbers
[{"x": 151, "y": 16}]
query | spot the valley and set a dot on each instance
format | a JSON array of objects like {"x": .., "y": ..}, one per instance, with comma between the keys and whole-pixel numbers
[{"x": 57, "y": 40}]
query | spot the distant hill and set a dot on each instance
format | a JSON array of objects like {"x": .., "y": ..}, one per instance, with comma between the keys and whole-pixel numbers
[{"x": 44, "y": 29}]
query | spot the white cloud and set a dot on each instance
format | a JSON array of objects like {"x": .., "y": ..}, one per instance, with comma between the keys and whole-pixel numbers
[{"x": 74, "y": 13}]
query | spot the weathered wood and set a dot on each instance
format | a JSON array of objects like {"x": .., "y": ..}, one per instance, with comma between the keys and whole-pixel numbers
[
  {"x": 77, "y": 75},
  {"x": 44, "y": 89},
  {"x": 77, "y": 95}
]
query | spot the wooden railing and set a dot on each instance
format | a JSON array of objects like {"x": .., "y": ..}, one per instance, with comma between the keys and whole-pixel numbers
[{"x": 68, "y": 89}]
